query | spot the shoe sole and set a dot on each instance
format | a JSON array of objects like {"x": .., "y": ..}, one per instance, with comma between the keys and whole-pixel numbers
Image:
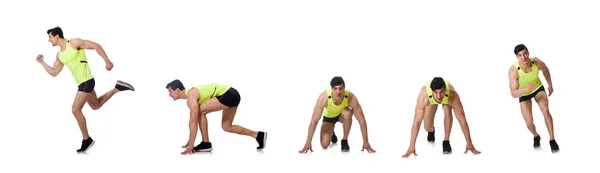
[
  {"x": 204, "y": 150},
  {"x": 125, "y": 84},
  {"x": 264, "y": 141}
]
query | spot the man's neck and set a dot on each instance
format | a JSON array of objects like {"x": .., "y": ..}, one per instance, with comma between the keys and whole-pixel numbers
[{"x": 62, "y": 43}]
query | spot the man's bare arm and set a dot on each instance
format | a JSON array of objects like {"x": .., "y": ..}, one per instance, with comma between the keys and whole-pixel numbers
[
  {"x": 192, "y": 102},
  {"x": 422, "y": 102},
  {"x": 513, "y": 77},
  {"x": 317, "y": 112},
  {"x": 87, "y": 44},
  {"x": 360, "y": 116},
  {"x": 54, "y": 70},
  {"x": 460, "y": 116},
  {"x": 545, "y": 71}
]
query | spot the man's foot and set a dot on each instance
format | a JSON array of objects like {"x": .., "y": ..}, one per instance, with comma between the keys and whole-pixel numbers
[
  {"x": 203, "y": 147},
  {"x": 123, "y": 86},
  {"x": 431, "y": 136},
  {"x": 334, "y": 138},
  {"x": 261, "y": 138},
  {"x": 446, "y": 147},
  {"x": 345, "y": 146},
  {"x": 554, "y": 146},
  {"x": 536, "y": 142},
  {"x": 86, "y": 145}
]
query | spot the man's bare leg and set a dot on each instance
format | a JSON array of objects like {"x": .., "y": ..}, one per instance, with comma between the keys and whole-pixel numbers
[
  {"x": 428, "y": 122},
  {"x": 447, "y": 122},
  {"x": 542, "y": 101},
  {"x": 97, "y": 102},
  {"x": 528, "y": 117},
  {"x": 80, "y": 99},
  {"x": 326, "y": 132},
  {"x": 346, "y": 121}
]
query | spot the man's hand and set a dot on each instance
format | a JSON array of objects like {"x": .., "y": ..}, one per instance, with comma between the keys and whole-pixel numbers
[
  {"x": 411, "y": 150},
  {"x": 367, "y": 146},
  {"x": 530, "y": 87},
  {"x": 307, "y": 147},
  {"x": 109, "y": 65},
  {"x": 40, "y": 58},
  {"x": 550, "y": 90},
  {"x": 188, "y": 150},
  {"x": 472, "y": 149},
  {"x": 187, "y": 144}
]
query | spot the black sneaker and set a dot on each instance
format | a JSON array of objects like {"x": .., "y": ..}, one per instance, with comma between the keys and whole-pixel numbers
[
  {"x": 431, "y": 136},
  {"x": 261, "y": 138},
  {"x": 123, "y": 86},
  {"x": 334, "y": 138},
  {"x": 203, "y": 147},
  {"x": 446, "y": 147},
  {"x": 554, "y": 146},
  {"x": 536, "y": 142},
  {"x": 345, "y": 146},
  {"x": 86, "y": 145}
]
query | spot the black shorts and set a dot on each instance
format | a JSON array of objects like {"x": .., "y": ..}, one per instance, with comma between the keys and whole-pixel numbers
[
  {"x": 528, "y": 97},
  {"x": 332, "y": 120},
  {"x": 231, "y": 98},
  {"x": 87, "y": 86}
]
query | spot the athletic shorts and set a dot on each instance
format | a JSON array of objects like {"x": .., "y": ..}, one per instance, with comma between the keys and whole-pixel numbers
[
  {"x": 332, "y": 120},
  {"x": 231, "y": 98},
  {"x": 87, "y": 86},
  {"x": 528, "y": 97}
]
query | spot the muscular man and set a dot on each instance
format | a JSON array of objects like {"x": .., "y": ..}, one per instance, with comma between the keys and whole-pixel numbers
[
  {"x": 434, "y": 93},
  {"x": 72, "y": 54},
  {"x": 526, "y": 84},
  {"x": 206, "y": 98},
  {"x": 339, "y": 105}
]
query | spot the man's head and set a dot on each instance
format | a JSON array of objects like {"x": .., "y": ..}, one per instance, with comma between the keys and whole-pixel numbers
[
  {"x": 176, "y": 89},
  {"x": 522, "y": 53},
  {"x": 438, "y": 86},
  {"x": 54, "y": 35},
  {"x": 337, "y": 86}
]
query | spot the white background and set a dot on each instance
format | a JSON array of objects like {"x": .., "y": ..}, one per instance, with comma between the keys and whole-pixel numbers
[{"x": 280, "y": 55}]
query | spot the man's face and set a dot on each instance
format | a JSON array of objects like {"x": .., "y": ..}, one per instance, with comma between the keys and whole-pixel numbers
[
  {"x": 338, "y": 91},
  {"x": 438, "y": 94},
  {"x": 53, "y": 39},
  {"x": 523, "y": 56},
  {"x": 173, "y": 93}
]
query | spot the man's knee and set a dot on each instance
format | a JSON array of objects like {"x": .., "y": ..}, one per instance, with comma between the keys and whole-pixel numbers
[
  {"x": 347, "y": 115},
  {"x": 530, "y": 125},
  {"x": 76, "y": 110},
  {"x": 226, "y": 127}
]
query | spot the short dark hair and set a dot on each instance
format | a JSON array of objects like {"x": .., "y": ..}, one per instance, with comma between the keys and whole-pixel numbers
[
  {"x": 437, "y": 83},
  {"x": 56, "y": 31},
  {"x": 520, "y": 48},
  {"x": 337, "y": 80},
  {"x": 175, "y": 84}
]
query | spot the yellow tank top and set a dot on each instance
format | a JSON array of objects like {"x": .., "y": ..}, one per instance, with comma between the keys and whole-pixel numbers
[
  {"x": 332, "y": 110},
  {"x": 430, "y": 94},
  {"x": 76, "y": 61},
  {"x": 528, "y": 78},
  {"x": 208, "y": 91}
]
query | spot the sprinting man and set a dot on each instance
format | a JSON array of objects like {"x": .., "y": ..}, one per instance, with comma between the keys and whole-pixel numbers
[
  {"x": 525, "y": 84},
  {"x": 72, "y": 54},
  {"x": 206, "y": 98},
  {"x": 339, "y": 105},
  {"x": 434, "y": 93}
]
